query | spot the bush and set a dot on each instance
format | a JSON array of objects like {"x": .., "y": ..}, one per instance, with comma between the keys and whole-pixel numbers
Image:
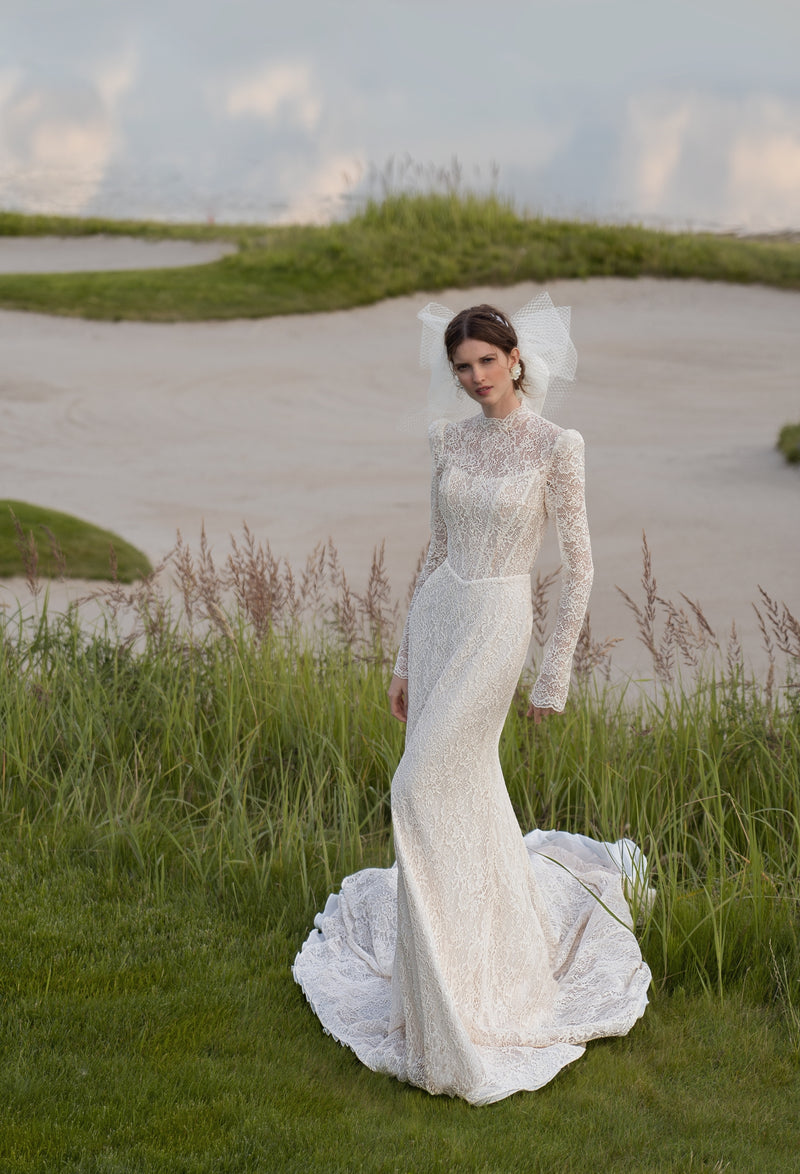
[{"x": 789, "y": 443}]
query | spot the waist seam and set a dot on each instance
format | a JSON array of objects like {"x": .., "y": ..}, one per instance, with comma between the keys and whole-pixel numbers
[{"x": 486, "y": 578}]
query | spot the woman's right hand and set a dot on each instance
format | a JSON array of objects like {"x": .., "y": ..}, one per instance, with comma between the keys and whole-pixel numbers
[{"x": 398, "y": 698}]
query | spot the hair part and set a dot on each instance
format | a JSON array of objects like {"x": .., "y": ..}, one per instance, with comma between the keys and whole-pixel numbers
[{"x": 486, "y": 324}]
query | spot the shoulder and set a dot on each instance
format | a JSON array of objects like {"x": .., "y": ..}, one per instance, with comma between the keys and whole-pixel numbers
[
  {"x": 567, "y": 461},
  {"x": 436, "y": 439},
  {"x": 568, "y": 440},
  {"x": 443, "y": 427},
  {"x": 436, "y": 431},
  {"x": 544, "y": 432},
  {"x": 551, "y": 439}
]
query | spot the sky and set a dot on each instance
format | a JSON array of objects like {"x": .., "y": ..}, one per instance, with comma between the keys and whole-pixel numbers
[{"x": 681, "y": 114}]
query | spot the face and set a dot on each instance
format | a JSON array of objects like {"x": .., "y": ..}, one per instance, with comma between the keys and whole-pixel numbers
[{"x": 484, "y": 371}]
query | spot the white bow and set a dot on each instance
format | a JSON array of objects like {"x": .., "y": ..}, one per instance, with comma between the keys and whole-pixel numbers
[{"x": 544, "y": 344}]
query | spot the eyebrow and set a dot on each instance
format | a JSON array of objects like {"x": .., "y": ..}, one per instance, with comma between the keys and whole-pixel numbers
[{"x": 486, "y": 355}]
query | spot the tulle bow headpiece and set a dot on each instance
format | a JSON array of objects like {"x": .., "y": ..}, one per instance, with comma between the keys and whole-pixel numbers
[{"x": 544, "y": 344}]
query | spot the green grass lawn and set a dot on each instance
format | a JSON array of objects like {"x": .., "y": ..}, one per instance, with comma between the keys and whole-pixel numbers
[
  {"x": 176, "y": 805},
  {"x": 57, "y": 544},
  {"x": 399, "y": 246},
  {"x": 154, "y": 1027}
]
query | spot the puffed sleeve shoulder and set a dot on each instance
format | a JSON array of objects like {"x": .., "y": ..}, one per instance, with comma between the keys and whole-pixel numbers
[{"x": 436, "y": 432}]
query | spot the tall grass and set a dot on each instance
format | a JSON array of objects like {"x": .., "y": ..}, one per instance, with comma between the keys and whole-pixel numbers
[
  {"x": 399, "y": 243},
  {"x": 242, "y": 742}
]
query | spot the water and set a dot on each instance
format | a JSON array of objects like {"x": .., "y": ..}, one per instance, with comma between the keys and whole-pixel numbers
[{"x": 680, "y": 115}]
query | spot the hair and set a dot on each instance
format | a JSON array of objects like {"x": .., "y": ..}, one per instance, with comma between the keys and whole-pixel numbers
[{"x": 486, "y": 324}]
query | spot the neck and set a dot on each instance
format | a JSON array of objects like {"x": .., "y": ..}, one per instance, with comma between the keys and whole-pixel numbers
[{"x": 500, "y": 410}]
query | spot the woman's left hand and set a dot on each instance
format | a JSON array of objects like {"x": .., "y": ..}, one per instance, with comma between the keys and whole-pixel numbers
[
  {"x": 398, "y": 698},
  {"x": 538, "y": 712}
]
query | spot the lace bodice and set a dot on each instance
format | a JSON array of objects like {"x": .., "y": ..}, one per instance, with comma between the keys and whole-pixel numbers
[{"x": 494, "y": 485}]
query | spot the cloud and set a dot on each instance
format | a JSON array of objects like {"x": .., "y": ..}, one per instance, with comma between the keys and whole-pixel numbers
[
  {"x": 9, "y": 80},
  {"x": 765, "y": 164},
  {"x": 722, "y": 160},
  {"x": 322, "y": 194},
  {"x": 656, "y": 132},
  {"x": 57, "y": 136},
  {"x": 114, "y": 78},
  {"x": 277, "y": 90}
]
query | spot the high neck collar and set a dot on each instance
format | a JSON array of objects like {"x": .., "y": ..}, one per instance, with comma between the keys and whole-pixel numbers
[{"x": 506, "y": 422}]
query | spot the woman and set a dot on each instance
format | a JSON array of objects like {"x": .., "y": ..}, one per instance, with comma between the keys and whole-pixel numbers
[{"x": 482, "y": 963}]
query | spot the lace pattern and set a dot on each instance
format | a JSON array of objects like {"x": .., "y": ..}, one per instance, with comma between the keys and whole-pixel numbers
[
  {"x": 600, "y": 981},
  {"x": 494, "y": 485}
]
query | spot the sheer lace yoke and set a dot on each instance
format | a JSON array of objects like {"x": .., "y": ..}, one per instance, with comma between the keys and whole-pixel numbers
[
  {"x": 495, "y": 483},
  {"x": 520, "y": 442}
]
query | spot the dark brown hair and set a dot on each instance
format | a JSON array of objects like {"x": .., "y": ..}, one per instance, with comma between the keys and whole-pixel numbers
[{"x": 486, "y": 324}]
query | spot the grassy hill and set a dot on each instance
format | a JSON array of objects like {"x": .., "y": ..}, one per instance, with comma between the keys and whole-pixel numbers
[{"x": 401, "y": 245}]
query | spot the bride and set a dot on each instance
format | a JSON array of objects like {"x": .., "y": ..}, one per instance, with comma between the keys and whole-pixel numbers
[{"x": 483, "y": 961}]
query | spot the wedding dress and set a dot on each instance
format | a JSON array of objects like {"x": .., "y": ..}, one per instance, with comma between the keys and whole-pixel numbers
[{"x": 482, "y": 962}]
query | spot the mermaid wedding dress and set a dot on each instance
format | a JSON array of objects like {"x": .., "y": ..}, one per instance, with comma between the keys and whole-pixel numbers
[{"x": 482, "y": 962}]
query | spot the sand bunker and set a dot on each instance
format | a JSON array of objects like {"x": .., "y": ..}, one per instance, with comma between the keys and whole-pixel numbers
[
  {"x": 291, "y": 425},
  {"x": 50, "y": 254}
]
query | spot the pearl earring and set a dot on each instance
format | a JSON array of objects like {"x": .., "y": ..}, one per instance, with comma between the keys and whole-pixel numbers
[{"x": 515, "y": 371}]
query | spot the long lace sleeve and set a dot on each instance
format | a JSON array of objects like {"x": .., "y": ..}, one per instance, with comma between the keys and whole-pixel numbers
[
  {"x": 566, "y": 503},
  {"x": 437, "y": 550}
]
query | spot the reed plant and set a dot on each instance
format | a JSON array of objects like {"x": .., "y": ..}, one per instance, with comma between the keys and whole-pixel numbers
[{"x": 239, "y": 740}]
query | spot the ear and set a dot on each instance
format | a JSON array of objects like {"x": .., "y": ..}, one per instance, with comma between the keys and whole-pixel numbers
[{"x": 513, "y": 356}]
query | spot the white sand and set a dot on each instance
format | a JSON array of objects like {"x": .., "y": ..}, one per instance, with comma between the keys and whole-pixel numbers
[
  {"x": 50, "y": 254},
  {"x": 290, "y": 423}
]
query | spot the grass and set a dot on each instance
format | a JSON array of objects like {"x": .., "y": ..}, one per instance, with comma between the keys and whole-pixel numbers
[
  {"x": 151, "y": 1028},
  {"x": 180, "y": 791},
  {"x": 35, "y": 540},
  {"x": 399, "y": 245},
  {"x": 789, "y": 443},
  {"x": 25, "y": 224}
]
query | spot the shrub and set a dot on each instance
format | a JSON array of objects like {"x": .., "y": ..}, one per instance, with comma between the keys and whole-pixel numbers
[{"x": 789, "y": 443}]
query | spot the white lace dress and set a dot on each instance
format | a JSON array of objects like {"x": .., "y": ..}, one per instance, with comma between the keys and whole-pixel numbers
[{"x": 482, "y": 962}]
